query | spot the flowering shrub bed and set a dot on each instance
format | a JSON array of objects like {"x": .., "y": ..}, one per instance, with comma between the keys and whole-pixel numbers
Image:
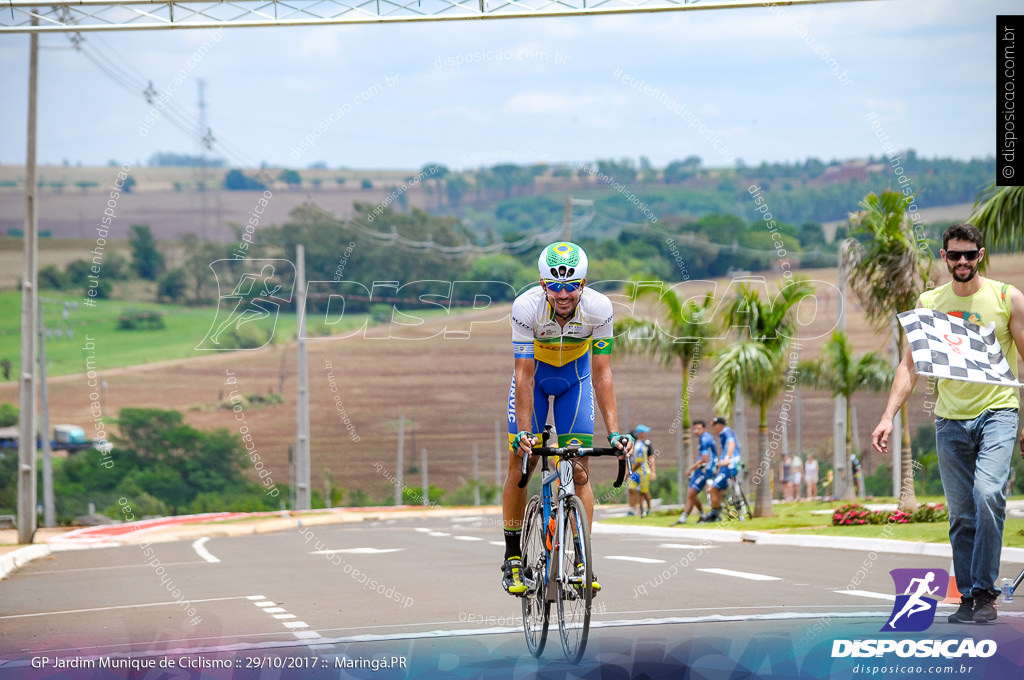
[{"x": 853, "y": 514}]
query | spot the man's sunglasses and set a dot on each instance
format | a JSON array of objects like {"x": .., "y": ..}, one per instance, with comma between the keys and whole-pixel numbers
[
  {"x": 955, "y": 255},
  {"x": 557, "y": 286}
]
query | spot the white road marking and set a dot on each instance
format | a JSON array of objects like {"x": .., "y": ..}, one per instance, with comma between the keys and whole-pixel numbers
[
  {"x": 774, "y": 616},
  {"x": 630, "y": 558},
  {"x": 127, "y": 606},
  {"x": 423, "y": 530},
  {"x": 357, "y": 551},
  {"x": 202, "y": 551},
  {"x": 468, "y": 538},
  {"x": 438, "y": 533},
  {"x": 255, "y": 597},
  {"x": 497, "y": 542},
  {"x": 741, "y": 574},
  {"x": 686, "y": 546},
  {"x": 293, "y": 626},
  {"x": 867, "y": 593}
]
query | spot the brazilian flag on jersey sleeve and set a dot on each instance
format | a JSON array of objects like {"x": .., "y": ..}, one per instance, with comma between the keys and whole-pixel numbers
[{"x": 602, "y": 346}]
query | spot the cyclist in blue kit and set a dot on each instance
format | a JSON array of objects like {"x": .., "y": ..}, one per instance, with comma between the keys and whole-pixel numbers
[
  {"x": 728, "y": 466},
  {"x": 698, "y": 473},
  {"x": 562, "y": 343}
]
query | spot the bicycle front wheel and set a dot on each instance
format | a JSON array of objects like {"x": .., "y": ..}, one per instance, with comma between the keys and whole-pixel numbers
[
  {"x": 536, "y": 606},
  {"x": 575, "y": 576}
]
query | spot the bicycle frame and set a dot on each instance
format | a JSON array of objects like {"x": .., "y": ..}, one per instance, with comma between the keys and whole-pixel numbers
[
  {"x": 549, "y": 576},
  {"x": 566, "y": 487}
]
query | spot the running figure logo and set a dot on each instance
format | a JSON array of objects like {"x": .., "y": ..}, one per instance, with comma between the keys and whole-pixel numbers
[
  {"x": 921, "y": 590},
  {"x": 262, "y": 287}
]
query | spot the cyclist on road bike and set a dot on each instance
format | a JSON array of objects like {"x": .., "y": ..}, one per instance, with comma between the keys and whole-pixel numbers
[
  {"x": 642, "y": 468},
  {"x": 728, "y": 465},
  {"x": 699, "y": 471},
  {"x": 561, "y": 336}
]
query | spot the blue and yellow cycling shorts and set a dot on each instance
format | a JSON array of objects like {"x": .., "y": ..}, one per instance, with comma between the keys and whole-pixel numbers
[{"x": 573, "y": 391}]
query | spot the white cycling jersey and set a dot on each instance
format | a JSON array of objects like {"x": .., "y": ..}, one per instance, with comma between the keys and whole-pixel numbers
[{"x": 536, "y": 333}]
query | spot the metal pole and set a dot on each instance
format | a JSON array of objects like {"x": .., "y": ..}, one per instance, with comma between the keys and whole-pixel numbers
[
  {"x": 203, "y": 178},
  {"x": 476, "y": 474},
  {"x": 303, "y": 498},
  {"x": 29, "y": 308},
  {"x": 426, "y": 487},
  {"x": 854, "y": 429},
  {"x": 799, "y": 445},
  {"x": 897, "y": 422},
  {"x": 44, "y": 425},
  {"x": 401, "y": 459},
  {"x": 293, "y": 496},
  {"x": 567, "y": 225}
]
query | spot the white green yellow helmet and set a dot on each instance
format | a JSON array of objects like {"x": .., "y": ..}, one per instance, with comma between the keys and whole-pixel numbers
[{"x": 562, "y": 261}]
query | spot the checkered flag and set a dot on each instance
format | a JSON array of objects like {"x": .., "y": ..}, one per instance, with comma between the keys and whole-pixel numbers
[{"x": 946, "y": 346}]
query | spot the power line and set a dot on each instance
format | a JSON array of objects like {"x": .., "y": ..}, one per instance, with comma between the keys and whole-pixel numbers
[{"x": 137, "y": 83}]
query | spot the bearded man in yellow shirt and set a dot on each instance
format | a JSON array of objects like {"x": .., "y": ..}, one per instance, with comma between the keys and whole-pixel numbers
[{"x": 975, "y": 423}]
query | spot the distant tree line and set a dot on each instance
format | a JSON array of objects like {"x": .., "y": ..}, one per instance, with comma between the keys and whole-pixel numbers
[
  {"x": 171, "y": 159},
  {"x": 162, "y": 466}
]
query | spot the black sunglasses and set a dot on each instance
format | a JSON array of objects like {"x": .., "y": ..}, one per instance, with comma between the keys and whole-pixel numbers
[{"x": 955, "y": 255}]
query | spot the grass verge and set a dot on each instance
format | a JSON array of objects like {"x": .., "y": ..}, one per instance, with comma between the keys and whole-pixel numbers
[{"x": 811, "y": 517}]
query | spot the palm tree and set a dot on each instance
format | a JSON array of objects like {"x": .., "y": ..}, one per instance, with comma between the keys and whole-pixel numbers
[
  {"x": 839, "y": 372},
  {"x": 757, "y": 362},
  {"x": 682, "y": 334},
  {"x": 888, "y": 272},
  {"x": 999, "y": 213}
]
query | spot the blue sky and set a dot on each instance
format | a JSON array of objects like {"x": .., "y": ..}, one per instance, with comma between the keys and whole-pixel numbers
[{"x": 754, "y": 80}]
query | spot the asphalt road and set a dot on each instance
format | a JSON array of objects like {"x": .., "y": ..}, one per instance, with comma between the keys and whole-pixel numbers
[{"x": 426, "y": 592}]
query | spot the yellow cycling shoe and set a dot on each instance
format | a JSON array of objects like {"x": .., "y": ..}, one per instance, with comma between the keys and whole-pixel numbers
[{"x": 512, "y": 579}]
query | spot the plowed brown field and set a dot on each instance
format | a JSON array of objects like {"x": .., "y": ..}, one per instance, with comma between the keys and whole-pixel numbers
[{"x": 452, "y": 393}]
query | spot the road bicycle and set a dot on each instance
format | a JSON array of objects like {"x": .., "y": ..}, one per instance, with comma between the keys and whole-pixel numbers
[
  {"x": 734, "y": 503},
  {"x": 557, "y": 560}
]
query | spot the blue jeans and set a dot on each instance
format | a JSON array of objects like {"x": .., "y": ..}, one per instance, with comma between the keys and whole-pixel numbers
[{"x": 974, "y": 461}]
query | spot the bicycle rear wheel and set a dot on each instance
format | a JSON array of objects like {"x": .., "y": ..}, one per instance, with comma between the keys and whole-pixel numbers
[
  {"x": 574, "y": 580},
  {"x": 536, "y": 606},
  {"x": 737, "y": 507}
]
